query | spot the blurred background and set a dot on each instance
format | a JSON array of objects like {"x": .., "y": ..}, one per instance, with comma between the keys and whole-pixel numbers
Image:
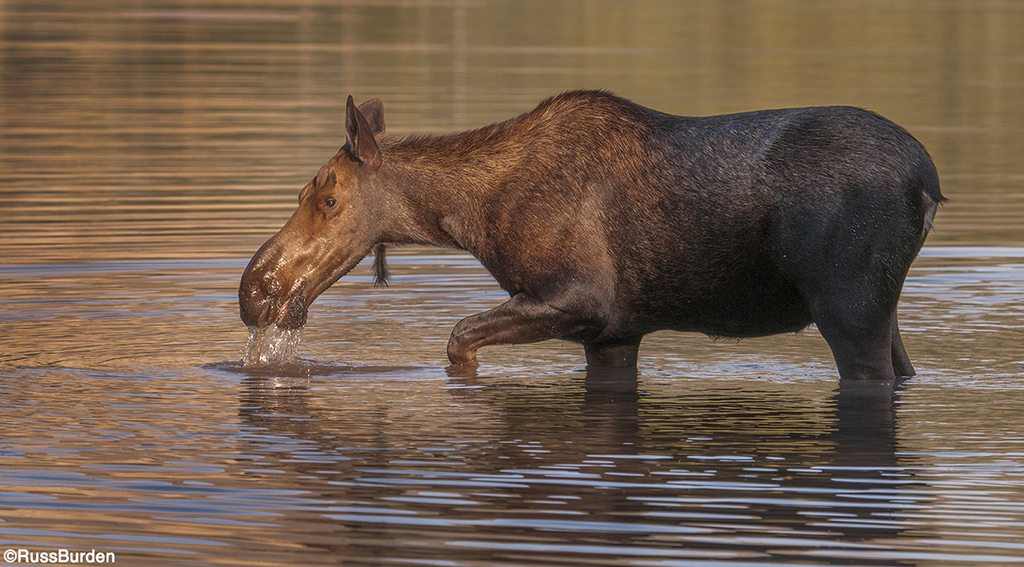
[{"x": 185, "y": 128}]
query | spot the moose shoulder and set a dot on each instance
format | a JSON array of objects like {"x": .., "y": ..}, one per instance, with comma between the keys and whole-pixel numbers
[{"x": 605, "y": 220}]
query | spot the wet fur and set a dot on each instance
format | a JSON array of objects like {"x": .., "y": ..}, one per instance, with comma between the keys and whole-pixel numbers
[{"x": 380, "y": 270}]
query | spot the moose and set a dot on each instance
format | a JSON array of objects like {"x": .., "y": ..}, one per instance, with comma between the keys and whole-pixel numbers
[{"x": 605, "y": 220}]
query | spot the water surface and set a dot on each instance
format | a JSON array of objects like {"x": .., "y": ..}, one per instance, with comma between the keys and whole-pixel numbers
[{"x": 147, "y": 150}]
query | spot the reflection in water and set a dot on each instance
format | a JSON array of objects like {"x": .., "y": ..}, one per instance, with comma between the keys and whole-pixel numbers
[
  {"x": 604, "y": 460},
  {"x": 711, "y": 451},
  {"x": 866, "y": 424}
]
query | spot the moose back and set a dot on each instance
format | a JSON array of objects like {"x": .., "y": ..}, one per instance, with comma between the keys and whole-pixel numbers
[{"x": 605, "y": 220}]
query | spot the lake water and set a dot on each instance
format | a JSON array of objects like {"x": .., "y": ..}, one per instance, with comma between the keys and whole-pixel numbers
[{"x": 147, "y": 149}]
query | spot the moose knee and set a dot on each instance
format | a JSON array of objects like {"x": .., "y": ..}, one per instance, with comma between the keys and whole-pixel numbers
[
  {"x": 523, "y": 319},
  {"x": 458, "y": 352}
]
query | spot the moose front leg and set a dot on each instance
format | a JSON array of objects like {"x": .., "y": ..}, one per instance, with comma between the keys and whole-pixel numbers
[
  {"x": 522, "y": 319},
  {"x": 621, "y": 353}
]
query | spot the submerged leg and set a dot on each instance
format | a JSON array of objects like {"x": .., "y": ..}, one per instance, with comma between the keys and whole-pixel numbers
[
  {"x": 620, "y": 354},
  {"x": 521, "y": 319}
]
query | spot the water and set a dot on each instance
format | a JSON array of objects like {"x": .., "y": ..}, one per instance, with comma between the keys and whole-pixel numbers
[
  {"x": 148, "y": 149},
  {"x": 270, "y": 345}
]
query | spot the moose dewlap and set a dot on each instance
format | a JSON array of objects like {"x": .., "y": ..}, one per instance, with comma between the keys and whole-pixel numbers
[{"x": 605, "y": 220}]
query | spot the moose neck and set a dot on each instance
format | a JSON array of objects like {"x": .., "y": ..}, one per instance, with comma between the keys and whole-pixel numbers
[
  {"x": 438, "y": 189},
  {"x": 445, "y": 190}
]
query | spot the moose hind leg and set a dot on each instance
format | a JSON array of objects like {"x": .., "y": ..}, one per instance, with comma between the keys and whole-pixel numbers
[
  {"x": 859, "y": 355},
  {"x": 860, "y": 337},
  {"x": 901, "y": 364}
]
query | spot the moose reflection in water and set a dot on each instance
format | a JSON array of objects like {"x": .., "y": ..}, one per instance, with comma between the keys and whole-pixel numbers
[
  {"x": 605, "y": 221},
  {"x": 714, "y": 469}
]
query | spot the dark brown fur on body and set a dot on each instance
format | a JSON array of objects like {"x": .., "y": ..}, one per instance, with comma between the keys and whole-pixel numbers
[{"x": 605, "y": 220}]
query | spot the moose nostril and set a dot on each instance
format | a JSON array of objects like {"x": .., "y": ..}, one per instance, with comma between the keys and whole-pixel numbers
[
  {"x": 293, "y": 313},
  {"x": 265, "y": 301},
  {"x": 253, "y": 304}
]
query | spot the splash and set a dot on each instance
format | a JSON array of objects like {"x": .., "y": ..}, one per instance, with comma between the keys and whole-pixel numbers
[{"x": 270, "y": 345}]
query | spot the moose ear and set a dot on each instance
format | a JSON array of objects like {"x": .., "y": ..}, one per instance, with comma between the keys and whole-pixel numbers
[
  {"x": 373, "y": 111},
  {"x": 362, "y": 145}
]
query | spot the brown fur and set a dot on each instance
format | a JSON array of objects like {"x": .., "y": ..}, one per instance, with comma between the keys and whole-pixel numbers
[{"x": 605, "y": 220}]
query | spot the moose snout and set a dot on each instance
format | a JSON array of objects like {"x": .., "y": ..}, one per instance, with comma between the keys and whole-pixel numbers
[{"x": 262, "y": 301}]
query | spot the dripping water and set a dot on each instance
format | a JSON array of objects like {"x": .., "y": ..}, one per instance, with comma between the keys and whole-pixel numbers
[{"x": 270, "y": 345}]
